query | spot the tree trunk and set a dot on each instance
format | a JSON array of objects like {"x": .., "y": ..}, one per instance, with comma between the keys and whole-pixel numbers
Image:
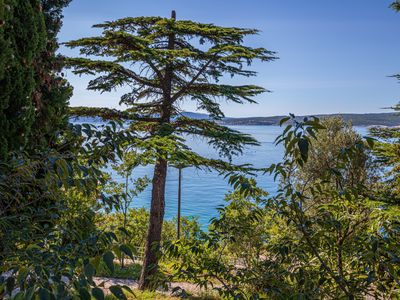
[
  {"x": 151, "y": 253},
  {"x": 150, "y": 261},
  {"x": 179, "y": 203},
  {"x": 126, "y": 207}
]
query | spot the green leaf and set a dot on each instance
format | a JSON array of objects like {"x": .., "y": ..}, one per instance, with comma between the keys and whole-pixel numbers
[
  {"x": 117, "y": 292},
  {"x": 303, "y": 146},
  {"x": 44, "y": 294},
  {"x": 123, "y": 230},
  {"x": 125, "y": 249},
  {"x": 84, "y": 294},
  {"x": 19, "y": 296},
  {"x": 370, "y": 141},
  {"x": 108, "y": 258},
  {"x": 98, "y": 293},
  {"x": 29, "y": 293},
  {"x": 127, "y": 288},
  {"x": 283, "y": 120},
  {"x": 89, "y": 271}
]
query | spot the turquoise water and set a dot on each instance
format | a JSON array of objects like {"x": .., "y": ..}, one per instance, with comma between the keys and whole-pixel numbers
[{"x": 202, "y": 191}]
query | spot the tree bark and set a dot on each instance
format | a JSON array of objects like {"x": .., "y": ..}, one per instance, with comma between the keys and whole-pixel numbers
[
  {"x": 125, "y": 212},
  {"x": 151, "y": 255},
  {"x": 178, "y": 230}
]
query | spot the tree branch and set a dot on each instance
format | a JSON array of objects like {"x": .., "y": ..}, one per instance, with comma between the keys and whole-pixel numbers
[{"x": 185, "y": 88}]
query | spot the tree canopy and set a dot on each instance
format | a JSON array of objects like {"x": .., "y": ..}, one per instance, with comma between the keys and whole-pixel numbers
[{"x": 164, "y": 62}]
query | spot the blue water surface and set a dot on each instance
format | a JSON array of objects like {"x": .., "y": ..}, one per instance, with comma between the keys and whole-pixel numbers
[{"x": 204, "y": 191}]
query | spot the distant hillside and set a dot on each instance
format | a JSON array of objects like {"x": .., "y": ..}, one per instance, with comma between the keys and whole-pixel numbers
[
  {"x": 194, "y": 115},
  {"x": 370, "y": 119},
  {"x": 382, "y": 119}
]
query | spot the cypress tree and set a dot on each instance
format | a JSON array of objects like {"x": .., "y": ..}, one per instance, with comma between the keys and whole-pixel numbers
[
  {"x": 53, "y": 92},
  {"x": 5, "y": 54},
  {"x": 22, "y": 37},
  {"x": 166, "y": 62},
  {"x": 33, "y": 95}
]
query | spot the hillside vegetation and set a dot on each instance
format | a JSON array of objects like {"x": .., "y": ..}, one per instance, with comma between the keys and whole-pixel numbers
[{"x": 372, "y": 119}]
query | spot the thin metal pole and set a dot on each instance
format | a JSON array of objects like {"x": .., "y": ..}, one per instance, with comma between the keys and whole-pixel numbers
[{"x": 179, "y": 201}]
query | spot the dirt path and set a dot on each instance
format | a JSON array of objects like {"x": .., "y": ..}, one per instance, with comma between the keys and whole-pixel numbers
[{"x": 106, "y": 282}]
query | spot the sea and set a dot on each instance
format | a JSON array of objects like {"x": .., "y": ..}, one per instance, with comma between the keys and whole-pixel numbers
[{"x": 204, "y": 191}]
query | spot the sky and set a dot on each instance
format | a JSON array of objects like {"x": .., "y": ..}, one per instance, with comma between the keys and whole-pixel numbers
[{"x": 334, "y": 56}]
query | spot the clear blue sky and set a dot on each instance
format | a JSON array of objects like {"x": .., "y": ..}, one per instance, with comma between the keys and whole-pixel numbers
[{"x": 335, "y": 56}]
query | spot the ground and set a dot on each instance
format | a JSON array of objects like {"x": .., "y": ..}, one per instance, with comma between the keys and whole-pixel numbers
[{"x": 190, "y": 288}]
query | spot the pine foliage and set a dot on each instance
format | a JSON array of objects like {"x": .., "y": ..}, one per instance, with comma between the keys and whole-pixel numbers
[
  {"x": 396, "y": 5},
  {"x": 165, "y": 62},
  {"x": 140, "y": 57}
]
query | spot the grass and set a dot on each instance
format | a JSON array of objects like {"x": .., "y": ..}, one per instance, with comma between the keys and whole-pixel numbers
[
  {"x": 147, "y": 295},
  {"x": 131, "y": 271}
]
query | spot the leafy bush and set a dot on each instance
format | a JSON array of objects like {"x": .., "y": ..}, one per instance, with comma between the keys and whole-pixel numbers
[
  {"x": 49, "y": 249},
  {"x": 314, "y": 239},
  {"x": 136, "y": 228}
]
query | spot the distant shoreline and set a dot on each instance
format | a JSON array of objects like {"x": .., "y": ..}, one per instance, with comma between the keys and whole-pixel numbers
[{"x": 363, "y": 120}]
